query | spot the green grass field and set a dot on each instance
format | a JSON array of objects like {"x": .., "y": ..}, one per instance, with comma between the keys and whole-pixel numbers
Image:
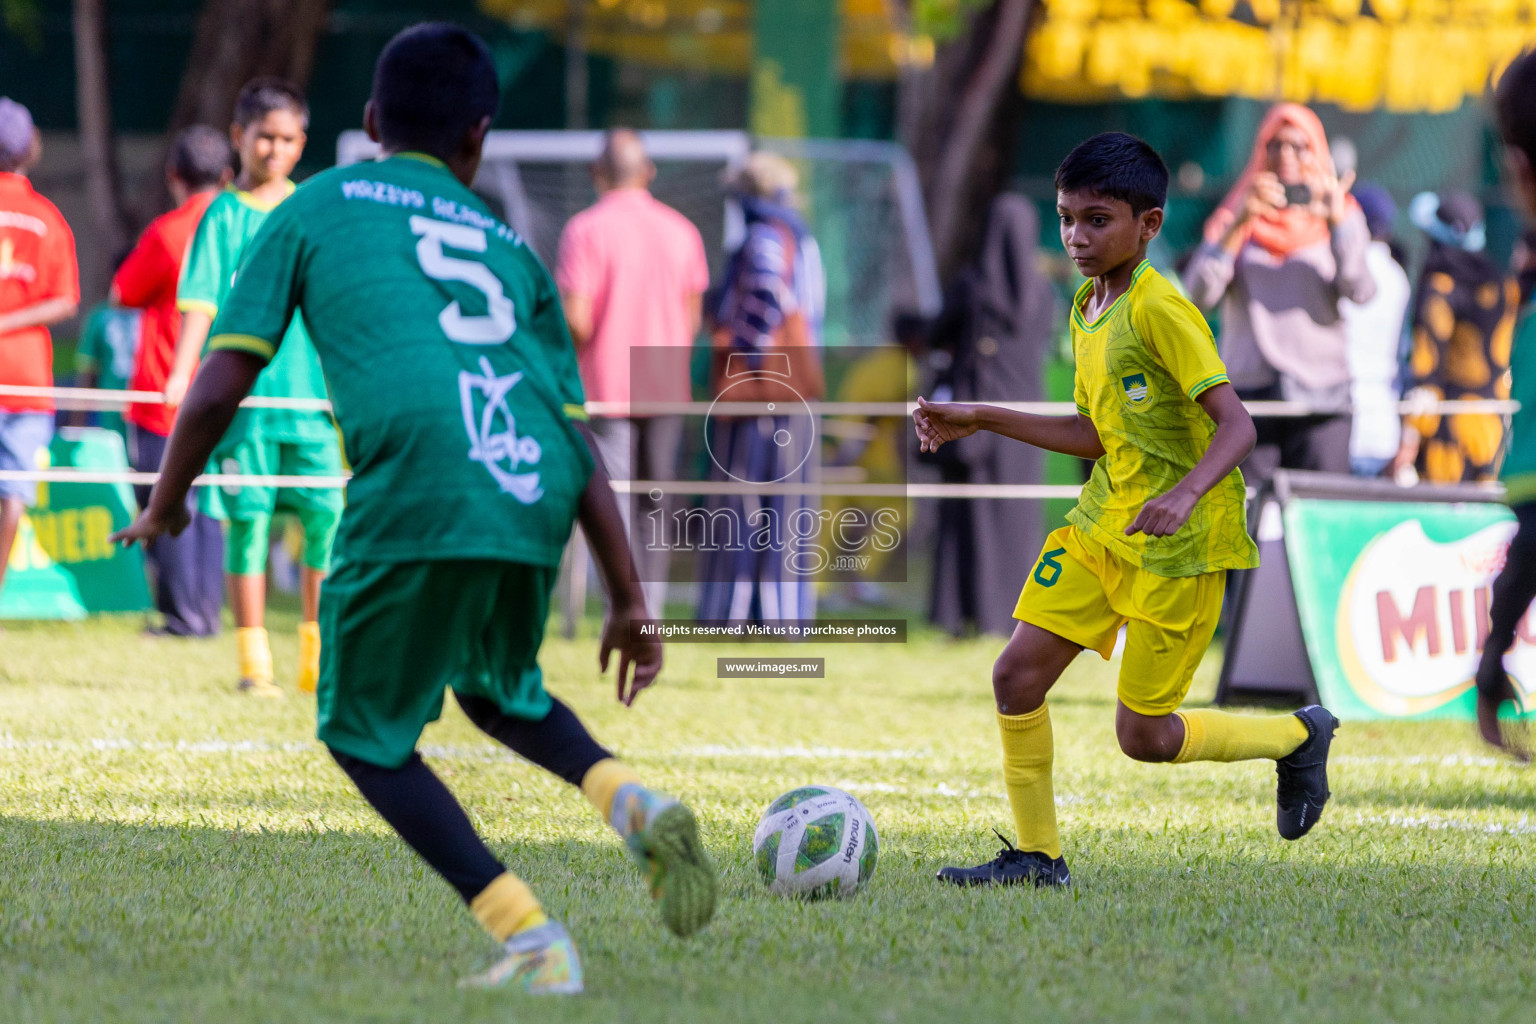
[{"x": 171, "y": 851}]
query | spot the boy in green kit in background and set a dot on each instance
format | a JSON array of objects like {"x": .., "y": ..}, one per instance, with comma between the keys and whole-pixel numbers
[
  {"x": 104, "y": 358},
  {"x": 268, "y": 133},
  {"x": 457, "y": 393}
]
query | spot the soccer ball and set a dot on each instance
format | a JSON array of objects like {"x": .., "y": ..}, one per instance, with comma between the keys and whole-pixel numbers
[{"x": 816, "y": 841}]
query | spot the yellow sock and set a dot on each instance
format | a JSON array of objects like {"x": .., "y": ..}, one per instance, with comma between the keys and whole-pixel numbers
[
  {"x": 255, "y": 653},
  {"x": 1027, "y": 754},
  {"x": 507, "y": 906},
  {"x": 603, "y": 782},
  {"x": 1211, "y": 735},
  {"x": 309, "y": 656}
]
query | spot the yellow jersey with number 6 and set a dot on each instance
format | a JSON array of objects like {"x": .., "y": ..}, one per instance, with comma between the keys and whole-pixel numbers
[{"x": 1141, "y": 365}]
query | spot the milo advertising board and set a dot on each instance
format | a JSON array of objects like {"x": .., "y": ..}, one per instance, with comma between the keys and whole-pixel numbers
[
  {"x": 62, "y": 566},
  {"x": 1393, "y": 600}
]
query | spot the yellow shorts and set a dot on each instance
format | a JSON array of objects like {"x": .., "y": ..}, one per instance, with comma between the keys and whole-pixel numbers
[{"x": 1083, "y": 592}]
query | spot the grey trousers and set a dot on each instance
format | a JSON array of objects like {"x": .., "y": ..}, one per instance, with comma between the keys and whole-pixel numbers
[{"x": 644, "y": 448}]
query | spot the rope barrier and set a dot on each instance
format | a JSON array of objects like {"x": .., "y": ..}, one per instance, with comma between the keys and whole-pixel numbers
[
  {"x": 722, "y": 487},
  {"x": 108, "y": 398},
  {"x": 98, "y": 398},
  {"x": 680, "y": 488},
  {"x": 124, "y": 476},
  {"x": 1258, "y": 410},
  {"x": 102, "y": 398}
]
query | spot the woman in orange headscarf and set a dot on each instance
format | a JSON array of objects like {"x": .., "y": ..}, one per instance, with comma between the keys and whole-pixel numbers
[{"x": 1280, "y": 252}]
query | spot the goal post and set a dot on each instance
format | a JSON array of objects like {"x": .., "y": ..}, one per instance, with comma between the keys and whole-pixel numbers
[{"x": 862, "y": 202}]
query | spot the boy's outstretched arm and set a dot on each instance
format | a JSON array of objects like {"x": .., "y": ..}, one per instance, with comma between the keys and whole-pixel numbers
[
  {"x": 938, "y": 422},
  {"x": 1234, "y": 439},
  {"x": 598, "y": 513},
  {"x": 227, "y": 376},
  {"x": 195, "y": 324}
]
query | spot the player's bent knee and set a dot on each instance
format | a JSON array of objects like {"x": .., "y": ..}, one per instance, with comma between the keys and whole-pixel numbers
[
  {"x": 246, "y": 543},
  {"x": 319, "y": 535},
  {"x": 1019, "y": 684},
  {"x": 1154, "y": 739}
]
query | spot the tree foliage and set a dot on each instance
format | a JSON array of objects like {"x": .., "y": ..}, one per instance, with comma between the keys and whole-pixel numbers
[
  {"x": 943, "y": 20},
  {"x": 24, "y": 20},
  {"x": 235, "y": 41}
]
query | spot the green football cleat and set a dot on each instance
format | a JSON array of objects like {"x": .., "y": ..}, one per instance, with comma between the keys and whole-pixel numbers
[
  {"x": 541, "y": 961},
  {"x": 679, "y": 872}
]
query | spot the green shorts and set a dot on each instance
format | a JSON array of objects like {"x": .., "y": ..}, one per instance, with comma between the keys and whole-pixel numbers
[
  {"x": 395, "y": 635},
  {"x": 249, "y": 509}
]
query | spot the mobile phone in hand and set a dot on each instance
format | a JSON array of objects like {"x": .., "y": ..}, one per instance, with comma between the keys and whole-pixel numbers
[{"x": 1298, "y": 195}]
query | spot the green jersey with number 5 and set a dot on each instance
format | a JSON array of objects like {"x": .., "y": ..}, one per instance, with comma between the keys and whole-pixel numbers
[{"x": 450, "y": 367}]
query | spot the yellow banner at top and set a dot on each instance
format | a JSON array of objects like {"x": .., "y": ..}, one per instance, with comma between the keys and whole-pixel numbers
[
  {"x": 1403, "y": 55},
  {"x": 711, "y": 35}
]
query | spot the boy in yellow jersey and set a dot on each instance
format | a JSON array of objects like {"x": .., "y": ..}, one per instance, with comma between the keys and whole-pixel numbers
[{"x": 1155, "y": 530}]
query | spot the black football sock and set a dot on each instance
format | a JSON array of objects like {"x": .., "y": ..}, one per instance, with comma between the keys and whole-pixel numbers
[
  {"x": 419, "y": 807},
  {"x": 559, "y": 743},
  {"x": 1513, "y": 591}
]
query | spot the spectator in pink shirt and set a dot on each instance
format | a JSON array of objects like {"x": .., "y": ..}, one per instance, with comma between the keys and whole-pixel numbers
[{"x": 632, "y": 275}]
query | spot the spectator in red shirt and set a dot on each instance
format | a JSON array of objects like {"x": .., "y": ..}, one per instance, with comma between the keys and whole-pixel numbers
[
  {"x": 39, "y": 286},
  {"x": 188, "y": 568}
]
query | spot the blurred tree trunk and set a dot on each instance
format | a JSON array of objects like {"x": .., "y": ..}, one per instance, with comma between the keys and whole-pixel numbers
[
  {"x": 93, "y": 109},
  {"x": 960, "y": 119},
  {"x": 235, "y": 41},
  {"x": 576, "y": 101}
]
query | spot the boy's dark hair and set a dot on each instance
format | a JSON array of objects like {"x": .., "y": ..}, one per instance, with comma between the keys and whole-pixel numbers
[
  {"x": 1116, "y": 166},
  {"x": 260, "y": 96},
  {"x": 1515, "y": 103},
  {"x": 433, "y": 82},
  {"x": 199, "y": 156}
]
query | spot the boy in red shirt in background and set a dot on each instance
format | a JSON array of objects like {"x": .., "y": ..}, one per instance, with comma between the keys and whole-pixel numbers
[
  {"x": 189, "y": 567},
  {"x": 39, "y": 286}
]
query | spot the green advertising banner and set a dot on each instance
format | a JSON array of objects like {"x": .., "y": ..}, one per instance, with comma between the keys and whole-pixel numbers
[
  {"x": 1394, "y": 598},
  {"x": 62, "y": 566}
]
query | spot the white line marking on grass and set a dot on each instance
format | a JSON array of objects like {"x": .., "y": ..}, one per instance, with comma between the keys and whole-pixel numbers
[
  {"x": 486, "y": 752},
  {"x": 715, "y": 750},
  {"x": 1439, "y": 761},
  {"x": 114, "y": 744},
  {"x": 943, "y": 789},
  {"x": 213, "y": 746},
  {"x": 1436, "y": 823}
]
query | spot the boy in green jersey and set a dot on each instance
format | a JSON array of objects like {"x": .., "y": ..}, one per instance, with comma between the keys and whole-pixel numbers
[
  {"x": 104, "y": 358},
  {"x": 268, "y": 133},
  {"x": 1515, "y": 586},
  {"x": 457, "y": 394}
]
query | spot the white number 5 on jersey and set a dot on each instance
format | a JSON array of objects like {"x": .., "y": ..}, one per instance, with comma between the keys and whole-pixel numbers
[{"x": 499, "y": 323}]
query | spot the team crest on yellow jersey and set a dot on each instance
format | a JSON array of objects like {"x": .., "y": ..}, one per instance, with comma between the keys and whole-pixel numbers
[{"x": 1135, "y": 387}]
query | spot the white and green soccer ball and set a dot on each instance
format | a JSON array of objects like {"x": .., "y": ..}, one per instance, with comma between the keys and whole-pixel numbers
[{"x": 816, "y": 841}]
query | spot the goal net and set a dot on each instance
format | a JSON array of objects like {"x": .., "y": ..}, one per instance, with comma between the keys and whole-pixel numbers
[{"x": 862, "y": 202}]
